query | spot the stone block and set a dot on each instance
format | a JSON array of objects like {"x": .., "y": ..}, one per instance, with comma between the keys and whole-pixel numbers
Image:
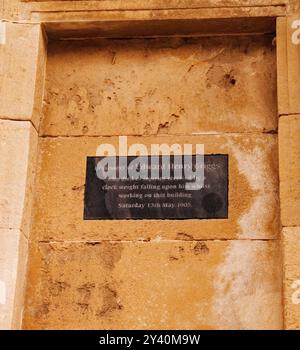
[
  {"x": 291, "y": 249},
  {"x": 289, "y": 165},
  {"x": 154, "y": 285},
  {"x": 13, "y": 263},
  {"x": 22, "y": 57},
  {"x": 288, "y": 64},
  {"x": 160, "y": 86},
  {"x": 253, "y": 191}
]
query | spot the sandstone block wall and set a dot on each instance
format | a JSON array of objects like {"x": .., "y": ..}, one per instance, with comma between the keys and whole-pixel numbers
[{"x": 132, "y": 273}]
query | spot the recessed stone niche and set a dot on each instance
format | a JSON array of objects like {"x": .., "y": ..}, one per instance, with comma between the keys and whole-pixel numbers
[{"x": 187, "y": 274}]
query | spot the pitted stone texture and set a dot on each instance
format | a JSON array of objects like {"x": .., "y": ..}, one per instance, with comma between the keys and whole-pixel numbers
[
  {"x": 157, "y": 285},
  {"x": 18, "y": 150},
  {"x": 160, "y": 86},
  {"x": 289, "y": 151},
  {"x": 22, "y": 67},
  {"x": 291, "y": 249},
  {"x": 253, "y": 191}
]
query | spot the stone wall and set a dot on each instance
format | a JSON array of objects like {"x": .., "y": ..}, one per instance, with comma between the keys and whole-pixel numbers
[
  {"x": 289, "y": 163},
  {"x": 22, "y": 53}
]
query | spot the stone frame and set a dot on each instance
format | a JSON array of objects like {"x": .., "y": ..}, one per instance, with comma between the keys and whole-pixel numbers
[{"x": 104, "y": 18}]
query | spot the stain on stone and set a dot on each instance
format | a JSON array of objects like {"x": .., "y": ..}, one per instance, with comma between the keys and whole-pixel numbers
[
  {"x": 85, "y": 129},
  {"x": 200, "y": 248},
  {"x": 173, "y": 257},
  {"x": 221, "y": 77},
  {"x": 147, "y": 128},
  {"x": 184, "y": 236},
  {"x": 110, "y": 254},
  {"x": 164, "y": 127},
  {"x": 86, "y": 290},
  {"x": 41, "y": 310},
  {"x": 73, "y": 119},
  {"x": 93, "y": 243},
  {"x": 176, "y": 253},
  {"x": 229, "y": 78},
  {"x": 84, "y": 307},
  {"x": 191, "y": 67},
  {"x": 78, "y": 188},
  {"x": 111, "y": 302},
  {"x": 57, "y": 287}
]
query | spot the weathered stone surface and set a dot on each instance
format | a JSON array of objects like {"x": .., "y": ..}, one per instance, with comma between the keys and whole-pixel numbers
[
  {"x": 139, "y": 284},
  {"x": 289, "y": 151},
  {"x": 18, "y": 150},
  {"x": 13, "y": 259},
  {"x": 69, "y": 10},
  {"x": 157, "y": 285},
  {"x": 253, "y": 191},
  {"x": 288, "y": 64},
  {"x": 130, "y": 4},
  {"x": 282, "y": 66},
  {"x": 291, "y": 248},
  {"x": 22, "y": 68},
  {"x": 160, "y": 86},
  {"x": 294, "y": 6},
  {"x": 293, "y": 63}
]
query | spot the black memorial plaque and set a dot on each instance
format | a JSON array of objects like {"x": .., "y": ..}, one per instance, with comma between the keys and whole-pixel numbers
[{"x": 157, "y": 198}]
